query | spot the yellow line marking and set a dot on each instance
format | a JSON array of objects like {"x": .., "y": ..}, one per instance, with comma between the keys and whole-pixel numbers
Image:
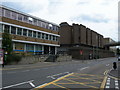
[
  {"x": 79, "y": 74},
  {"x": 80, "y": 83},
  {"x": 55, "y": 81},
  {"x": 91, "y": 79},
  {"x": 60, "y": 86},
  {"x": 104, "y": 81}
]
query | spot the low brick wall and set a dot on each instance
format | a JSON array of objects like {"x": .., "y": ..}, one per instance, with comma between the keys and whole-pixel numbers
[
  {"x": 65, "y": 57},
  {"x": 33, "y": 59}
]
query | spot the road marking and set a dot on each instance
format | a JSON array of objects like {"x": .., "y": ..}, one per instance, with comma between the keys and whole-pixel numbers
[
  {"x": 107, "y": 64},
  {"x": 53, "y": 76},
  {"x": 107, "y": 87},
  {"x": 31, "y": 84},
  {"x": 103, "y": 83},
  {"x": 46, "y": 84},
  {"x": 83, "y": 68},
  {"x": 17, "y": 84},
  {"x": 25, "y": 71}
]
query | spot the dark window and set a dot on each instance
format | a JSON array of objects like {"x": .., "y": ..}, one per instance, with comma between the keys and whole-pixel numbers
[
  {"x": 42, "y": 35},
  {"x": 20, "y": 17},
  {"x": 14, "y": 15},
  {"x": 13, "y": 30},
  {"x": 24, "y": 32},
  {"x": 34, "y": 34},
  {"x": 30, "y": 33},
  {"x": 7, "y": 13},
  {"x": 39, "y": 35},
  {"x": 25, "y": 18},
  {"x": 6, "y": 28},
  {"x": 47, "y": 36},
  {"x": 19, "y": 31}
]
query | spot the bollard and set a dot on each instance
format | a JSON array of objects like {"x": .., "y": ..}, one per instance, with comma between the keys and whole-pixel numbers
[{"x": 114, "y": 65}]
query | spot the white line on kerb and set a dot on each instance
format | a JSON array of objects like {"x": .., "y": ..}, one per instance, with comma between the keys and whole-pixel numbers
[
  {"x": 31, "y": 84},
  {"x": 17, "y": 84}
]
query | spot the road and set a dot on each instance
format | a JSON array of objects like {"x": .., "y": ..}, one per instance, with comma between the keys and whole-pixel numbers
[{"x": 49, "y": 75}]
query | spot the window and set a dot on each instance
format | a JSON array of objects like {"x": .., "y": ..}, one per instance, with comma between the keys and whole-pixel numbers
[
  {"x": 30, "y": 33},
  {"x": 39, "y": 35},
  {"x": 53, "y": 38},
  {"x": 19, "y": 31},
  {"x": 13, "y": 30},
  {"x": 39, "y": 23},
  {"x": 50, "y": 37},
  {"x": 38, "y": 47},
  {"x": 25, "y": 18},
  {"x": 7, "y": 13},
  {"x": 6, "y": 28},
  {"x": 20, "y": 17},
  {"x": 29, "y": 47},
  {"x": 14, "y": 15},
  {"x": 34, "y": 34},
  {"x": 24, "y": 32},
  {"x": 35, "y": 21},
  {"x": 30, "y": 20},
  {"x": 43, "y": 25},
  {"x": 42, "y": 35},
  {"x": 46, "y": 36}
]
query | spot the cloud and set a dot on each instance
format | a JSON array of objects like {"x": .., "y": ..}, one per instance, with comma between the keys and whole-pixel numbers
[{"x": 99, "y": 15}]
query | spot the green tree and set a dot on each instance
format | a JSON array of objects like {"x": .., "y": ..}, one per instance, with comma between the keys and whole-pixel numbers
[{"x": 7, "y": 43}]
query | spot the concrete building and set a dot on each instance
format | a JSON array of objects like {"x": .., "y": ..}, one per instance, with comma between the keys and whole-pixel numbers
[{"x": 29, "y": 33}]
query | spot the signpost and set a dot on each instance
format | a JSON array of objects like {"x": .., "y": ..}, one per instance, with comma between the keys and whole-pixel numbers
[{"x": 1, "y": 56}]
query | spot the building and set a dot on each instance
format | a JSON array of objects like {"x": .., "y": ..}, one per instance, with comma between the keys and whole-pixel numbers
[
  {"x": 76, "y": 34},
  {"x": 29, "y": 33},
  {"x": 81, "y": 42}
]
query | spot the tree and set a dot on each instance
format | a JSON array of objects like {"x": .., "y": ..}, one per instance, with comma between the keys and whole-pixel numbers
[{"x": 7, "y": 43}]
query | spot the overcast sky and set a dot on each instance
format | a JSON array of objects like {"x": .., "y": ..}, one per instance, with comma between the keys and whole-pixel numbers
[{"x": 99, "y": 15}]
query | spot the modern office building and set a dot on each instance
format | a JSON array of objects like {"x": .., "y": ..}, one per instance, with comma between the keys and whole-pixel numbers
[{"x": 29, "y": 33}]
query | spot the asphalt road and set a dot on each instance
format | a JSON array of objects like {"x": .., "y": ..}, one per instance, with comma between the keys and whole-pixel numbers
[{"x": 32, "y": 76}]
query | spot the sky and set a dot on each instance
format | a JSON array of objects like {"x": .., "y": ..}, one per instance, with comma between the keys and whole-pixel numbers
[{"x": 98, "y": 15}]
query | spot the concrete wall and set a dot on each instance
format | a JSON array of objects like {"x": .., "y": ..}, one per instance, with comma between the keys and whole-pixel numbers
[
  {"x": 89, "y": 36},
  {"x": 65, "y": 32},
  {"x": 82, "y": 34}
]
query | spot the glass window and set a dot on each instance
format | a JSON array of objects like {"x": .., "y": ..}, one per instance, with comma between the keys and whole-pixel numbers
[
  {"x": 6, "y": 28},
  {"x": 46, "y": 36},
  {"x": 14, "y": 15},
  {"x": 3, "y": 12},
  {"x": 29, "y": 47},
  {"x": 34, "y": 34},
  {"x": 35, "y": 21},
  {"x": 42, "y": 35},
  {"x": 49, "y": 37},
  {"x": 30, "y": 20},
  {"x": 7, "y": 13},
  {"x": 19, "y": 31},
  {"x": 1, "y": 28},
  {"x": 24, "y": 32},
  {"x": 39, "y": 35},
  {"x": 25, "y": 18},
  {"x": 39, "y": 23},
  {"x": 30, "y": 33},
  {"x": 13, "y": 30},
  {"x": 20, "y": 17},
  {"x": 38, "y": 47},
  {"x": 53, "y": 38}
]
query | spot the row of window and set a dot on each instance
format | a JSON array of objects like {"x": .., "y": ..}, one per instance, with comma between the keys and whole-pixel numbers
[
  {"x": 28, "y": 33},
  {"x": 24, "y": 18}
]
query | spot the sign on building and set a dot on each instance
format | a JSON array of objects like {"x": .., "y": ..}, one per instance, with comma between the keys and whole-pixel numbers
[{"x": 1, "y": 56}]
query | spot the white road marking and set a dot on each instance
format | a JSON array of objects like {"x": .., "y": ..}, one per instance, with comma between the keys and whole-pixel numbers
[
  {"x": 26, "y": 71},
  {"x": 53, "y": 76},
  {"x": 31, "y": 84},
  {"x": 84, "y": 68},
  {"x": 17, "y": 84},
  {"x": 11, "y": 72},
  {"x": 107, "y": 64}
]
